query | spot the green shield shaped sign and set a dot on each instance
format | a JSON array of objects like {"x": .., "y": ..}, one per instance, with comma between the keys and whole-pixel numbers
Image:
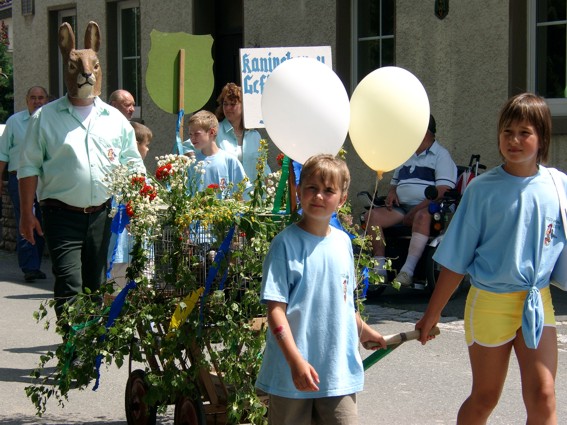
[{"x": 162, "y": 75}]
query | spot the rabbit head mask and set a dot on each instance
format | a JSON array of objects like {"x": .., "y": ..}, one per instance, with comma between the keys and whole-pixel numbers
[{"x": 82, "y": 71}]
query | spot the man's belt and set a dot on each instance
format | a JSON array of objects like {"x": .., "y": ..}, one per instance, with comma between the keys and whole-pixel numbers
[{"x": 86, "y": 210}]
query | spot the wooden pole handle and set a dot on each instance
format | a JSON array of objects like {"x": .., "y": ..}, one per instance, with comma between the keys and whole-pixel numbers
[
  {"x": 401, "y": 337},
  {"x": 181, "y": 93}
]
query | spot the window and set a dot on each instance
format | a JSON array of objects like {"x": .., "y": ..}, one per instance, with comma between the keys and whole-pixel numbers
[
  {"x": 547, "y": 73},
  {"x": 373, "y": 36},
  {"x": 69, "y": 16},
  {"x": 129, "y": 59}
]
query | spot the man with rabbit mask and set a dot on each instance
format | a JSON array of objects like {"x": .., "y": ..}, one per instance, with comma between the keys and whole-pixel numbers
[{"x": 71, "y": 145}]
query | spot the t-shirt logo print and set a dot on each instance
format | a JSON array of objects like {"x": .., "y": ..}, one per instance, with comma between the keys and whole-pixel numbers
[{"x": 548, "y": 234}]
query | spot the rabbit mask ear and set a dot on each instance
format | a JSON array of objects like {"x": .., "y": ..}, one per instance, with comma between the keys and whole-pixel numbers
[{"x": 82, "y": 71}]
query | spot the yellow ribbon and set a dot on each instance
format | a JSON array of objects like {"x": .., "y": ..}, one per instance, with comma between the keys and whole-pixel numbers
[{"x": 181, "y": 313}]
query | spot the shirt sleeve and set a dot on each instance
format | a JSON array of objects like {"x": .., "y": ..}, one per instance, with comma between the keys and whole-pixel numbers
[
  {"x": 457, "y": 249},
  {"x": 275, "y": 275},
  {"x": 31, "y": 155}
]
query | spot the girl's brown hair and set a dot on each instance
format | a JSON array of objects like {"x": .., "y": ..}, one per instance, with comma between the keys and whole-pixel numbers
[{"x": 533, "y": 109}]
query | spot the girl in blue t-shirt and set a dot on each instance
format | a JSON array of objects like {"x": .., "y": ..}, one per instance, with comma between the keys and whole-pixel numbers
[{"x": 507, "y": 235}]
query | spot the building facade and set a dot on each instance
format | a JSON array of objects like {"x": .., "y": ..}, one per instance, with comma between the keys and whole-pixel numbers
[{"x": 470, "y": 56}]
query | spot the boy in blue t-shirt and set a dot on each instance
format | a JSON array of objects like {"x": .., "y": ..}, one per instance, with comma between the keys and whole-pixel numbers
[
  {"x": 311, "y": 366},
  {"x": 120, "y": 243},
  {"x": 220, "y": 167}
]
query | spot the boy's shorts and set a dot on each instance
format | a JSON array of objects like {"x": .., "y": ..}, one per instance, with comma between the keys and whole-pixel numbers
[
  {"x": 341, "y": 410},
  {"x": 493, "y": 319}
]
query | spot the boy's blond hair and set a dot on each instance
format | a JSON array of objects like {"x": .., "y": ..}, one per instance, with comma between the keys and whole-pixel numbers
[
  {"x": 329, "y": 169},
  {"x": 142, "y": 132},
  {"x": 205, "y": 120}
]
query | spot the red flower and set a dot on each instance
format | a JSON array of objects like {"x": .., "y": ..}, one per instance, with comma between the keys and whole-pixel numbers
[
  {"x": 213, "y": 186},
  {"x": 138, "y": 180},
  {"x": 164, "y": 172},
  {"x": 148, "y": 191},
  {"x": 129, "y": 209},
  {"x": 280, "y": 159}
]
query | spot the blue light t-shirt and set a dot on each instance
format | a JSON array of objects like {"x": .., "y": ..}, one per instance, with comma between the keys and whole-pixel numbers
[
  {"x": 314, "y": 276},
  {"x": 507, "y": 235}
]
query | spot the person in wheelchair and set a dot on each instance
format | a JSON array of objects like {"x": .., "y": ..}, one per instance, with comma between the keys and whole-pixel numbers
[{"x": 406, "y": 204}]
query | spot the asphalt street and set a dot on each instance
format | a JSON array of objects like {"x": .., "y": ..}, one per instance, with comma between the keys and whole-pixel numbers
[{"x": 412, "y": 385}]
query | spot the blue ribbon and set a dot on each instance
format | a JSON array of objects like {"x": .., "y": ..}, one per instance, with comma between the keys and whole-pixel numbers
[
  {"x": 337, "y": 224},
  {"x": 115, "y": 309},
  {"x": 178, "y": 146},
  {"x": 213, "y": 270},
  {"x": 119, "y": 223},
  {"x": 532, "y": 318},
  {"x": 365, "y": 281}
]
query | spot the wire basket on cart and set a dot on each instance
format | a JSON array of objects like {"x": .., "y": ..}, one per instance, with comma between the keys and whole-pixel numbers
[
  {"x": 173, "y": 252},
  {"x": 213, "y": 326}
]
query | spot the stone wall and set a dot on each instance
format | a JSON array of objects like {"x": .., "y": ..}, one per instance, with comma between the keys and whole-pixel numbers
[{"x": 7, "y": 222}]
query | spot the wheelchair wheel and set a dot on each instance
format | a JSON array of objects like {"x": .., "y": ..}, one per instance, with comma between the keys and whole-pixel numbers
[
  {"x": 137, "y": 411},
  {"x": 432, "y": 269}
]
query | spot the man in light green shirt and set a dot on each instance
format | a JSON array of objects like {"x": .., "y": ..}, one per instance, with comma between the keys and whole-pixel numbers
[
  {"x": 11, "y": 141},
  {"x": 71, "y": 145}
]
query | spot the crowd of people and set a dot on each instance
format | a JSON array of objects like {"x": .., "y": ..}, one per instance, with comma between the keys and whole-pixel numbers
[{"x": 500, "y": 236}]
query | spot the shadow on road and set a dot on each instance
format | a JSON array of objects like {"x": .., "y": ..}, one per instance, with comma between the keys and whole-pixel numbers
[
  {"x": 40, "y": 349},
  {"x": 20, "y": 375}
]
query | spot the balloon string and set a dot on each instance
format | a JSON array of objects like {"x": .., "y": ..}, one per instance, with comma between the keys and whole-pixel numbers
[{"x": 379, "y": 175}]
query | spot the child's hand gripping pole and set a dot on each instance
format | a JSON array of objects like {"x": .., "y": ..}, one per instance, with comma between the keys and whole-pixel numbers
[{"x": 393, "y": 342}]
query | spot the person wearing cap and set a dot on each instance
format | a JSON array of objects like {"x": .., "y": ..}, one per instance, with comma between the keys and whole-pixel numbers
[{"x": 406, "y": 204}]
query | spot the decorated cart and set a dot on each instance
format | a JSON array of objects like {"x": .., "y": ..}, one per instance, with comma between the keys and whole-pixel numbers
[{"x": 188, "y": 323}]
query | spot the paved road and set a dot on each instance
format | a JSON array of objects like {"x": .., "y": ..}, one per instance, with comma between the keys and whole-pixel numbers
[{"x": 413, "y": 385}]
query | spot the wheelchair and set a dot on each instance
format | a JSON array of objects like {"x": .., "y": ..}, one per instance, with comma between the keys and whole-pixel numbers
[{"x": 398, "y": 237}]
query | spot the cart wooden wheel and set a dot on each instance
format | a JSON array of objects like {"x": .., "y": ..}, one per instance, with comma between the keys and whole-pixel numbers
[
  {"x": 189, "y": 412},
  {"x": 137, "y": 411}
]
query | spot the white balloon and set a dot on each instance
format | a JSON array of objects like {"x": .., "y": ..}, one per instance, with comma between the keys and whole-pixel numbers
[
  {"x": 389, "y": 117},
  {"x": 305, "y": 109}
]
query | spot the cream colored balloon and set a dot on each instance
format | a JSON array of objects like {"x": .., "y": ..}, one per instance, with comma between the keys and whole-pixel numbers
[{"x": 389, "y": 114}]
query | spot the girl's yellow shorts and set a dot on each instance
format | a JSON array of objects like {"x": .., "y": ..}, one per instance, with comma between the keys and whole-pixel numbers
[{"x": 493, "y": 319}]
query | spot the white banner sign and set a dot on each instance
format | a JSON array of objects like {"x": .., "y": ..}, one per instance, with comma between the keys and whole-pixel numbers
[{"x": 256, "y": 65}]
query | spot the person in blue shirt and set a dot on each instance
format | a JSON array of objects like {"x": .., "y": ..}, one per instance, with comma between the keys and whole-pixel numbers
[
  {"x": 219, "y": 167},
  {"x": 121, "y": 243},
  {"x": 311, "y": 366},
  {"x": 11, "y": 142},
  {"x": 232, "y": 137},
  {"x": 507, "y": 235}
]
